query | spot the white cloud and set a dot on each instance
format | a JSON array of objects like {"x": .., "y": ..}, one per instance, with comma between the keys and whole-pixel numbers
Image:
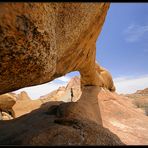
[
  {"x": 127, "y": 85},
  {"x": 135, "y": 32},
  {"x": 97, "y": 62},
  {"x": 35, "y": 92},
  {"x": 124, "y": 85},
  {"x": 64, "y": 79}
]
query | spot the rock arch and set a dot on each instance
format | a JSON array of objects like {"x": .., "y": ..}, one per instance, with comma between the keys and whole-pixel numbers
[{"x": 42, "y": 41}]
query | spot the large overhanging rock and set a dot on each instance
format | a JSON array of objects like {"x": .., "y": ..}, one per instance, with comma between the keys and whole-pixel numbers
[{"x": 42, "y": 41}]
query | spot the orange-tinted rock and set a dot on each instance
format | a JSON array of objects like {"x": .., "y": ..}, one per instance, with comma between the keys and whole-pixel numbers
[
  {"x": 42, "y": 41},
  {"x": 122, "y": 117},
  {"x": 23, "y": 96},
  {"x": 64, "y": 93},
  {"x": 6, "y": 116},
  {"x": 105, "y": 77},
  {"x": 118, "y": 114},
  {"x": 58, "y": 123},
  {"x": 7, "y": 101},
  {"x": 73, "y": 86},
  {"x": 144, "y": 91},
  {"x": 22, "y": 107},
  {"x": 140, "y": 100}
]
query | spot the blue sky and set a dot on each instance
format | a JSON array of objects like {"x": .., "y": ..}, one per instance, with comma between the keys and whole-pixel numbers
[{"x": 122, "y": 48}]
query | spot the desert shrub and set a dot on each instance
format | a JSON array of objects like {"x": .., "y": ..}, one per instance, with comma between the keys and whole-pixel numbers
[
  {"x": 138, "y": 103},
  {"x": 143, "y": 104}
]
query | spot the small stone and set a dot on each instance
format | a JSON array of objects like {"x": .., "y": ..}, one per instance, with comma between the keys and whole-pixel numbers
[{"x": 6, "y": 116}]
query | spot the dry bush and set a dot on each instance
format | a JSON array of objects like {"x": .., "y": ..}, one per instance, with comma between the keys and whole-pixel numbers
[{"x": 142, "y": 103}]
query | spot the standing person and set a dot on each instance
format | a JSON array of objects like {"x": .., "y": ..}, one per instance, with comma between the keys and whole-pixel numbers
[
  {"x": 71, "y": 95},
  {"x": 1, "y": 117}
]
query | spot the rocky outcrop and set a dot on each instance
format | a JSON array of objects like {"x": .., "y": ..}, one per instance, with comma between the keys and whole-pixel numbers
[
  {"x": 14, "y": 105},
  {"x": 59, "y": 123},
  {"x": 50, "y": 96},
  {"x": 7, "y": 101},
  {"x": 74, "y": 88},
  {"x": 140, "y": 99},
  {"x": 42, "y": 41},
  {"x": 56, "y": 95},
  {"x": 65, "y": 93},
  {"x": 23, "y": 96},
  {"x": 118, "y": 112},
  {"x": 122, "y": 117},
  {"x": 72, "y": 92},
  {"x": 23, "y": 107},
  {"x": 143, "y": 92},
  {"x": 6, "y": 116},
  {"x": 115, "y": 112},
  {"x": 105, "y": 77},
  {"x": 138, "y": 94}
]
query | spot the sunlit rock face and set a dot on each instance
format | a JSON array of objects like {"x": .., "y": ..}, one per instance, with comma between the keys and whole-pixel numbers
[
  {"x": 38, "y": 43},
  {"x": 42, "y": 41},
  {"x": 59, "y": 123},
  {"x": 121, "y": 114}
]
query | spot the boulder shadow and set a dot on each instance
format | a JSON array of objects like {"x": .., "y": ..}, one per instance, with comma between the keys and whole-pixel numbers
[{"x": 60, "y": 123}]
